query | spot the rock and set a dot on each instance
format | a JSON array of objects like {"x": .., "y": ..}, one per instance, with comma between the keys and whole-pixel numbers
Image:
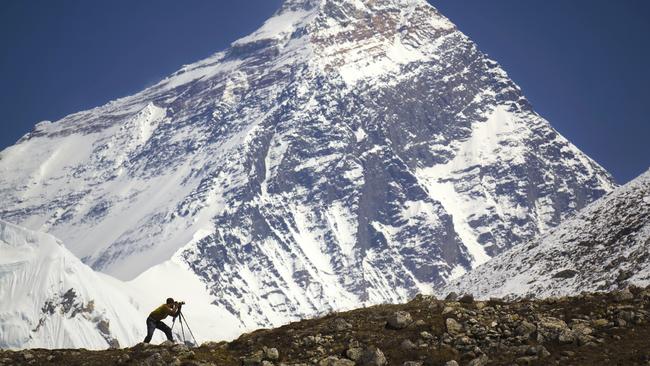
[
  {"x": 267, "y": 363},
  {"x": 255, "y": 359},
  {"x": 154, "y": 360},
  {"x": 452, "y": 296},
  {"x": 451, "y": 363},
  {"x": 418, "y": 323},
  {"x": 180, "y": 348},
  {"x": 526, "y": 360},
  {"x": 550, "y": 328},
  {"x": 599, "y": 323},
  {"x": 582, "y": 328},
  {"x": 627, "y": 315},
  {"x": 124, "y": 358},
  {"x": 399, "y": 320},
  {"x": 372, "y": 356},
  {"x": 479, "y": 361},
  {"x": 448, "y": 310},
  {"x": 329, "y": 361},
  {"x": 542, "y": 352},
  {"x": 567, "y": 273},
  {"x": 566, "y": 336},
  {"x": 623, "y": 295},
  {"x": 525, "y": 329},
  {"x": 355, "y": 353},
  {"x": 167, "y": 343},
  {"x": 453, "y": 327},
  {"x": 407, "y": 345},
  {"x": 311, "y": 340},
  {"x": 27, "y": 356},
  {"x": 340, "y": 324},
  {"x": 412, "y": 363},
  {"x": 466, "y": 299},
  {"x": 583, "y": 339},
  {"x": 271, "y": 354},
  {"x": 426, "y": 335},
  {"x": 468, "y": 355}
]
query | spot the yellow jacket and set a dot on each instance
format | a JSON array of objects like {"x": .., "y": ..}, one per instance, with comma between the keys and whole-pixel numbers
[{"x": 163, "y": 311}]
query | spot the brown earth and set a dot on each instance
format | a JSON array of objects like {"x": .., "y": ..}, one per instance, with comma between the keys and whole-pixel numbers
[{"x": 590, "y": 329}]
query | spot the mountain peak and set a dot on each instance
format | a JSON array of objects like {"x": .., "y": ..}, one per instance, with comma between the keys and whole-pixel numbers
[
  {"x": 355, "y": 38},
  {"x": 346, "y": 153}
]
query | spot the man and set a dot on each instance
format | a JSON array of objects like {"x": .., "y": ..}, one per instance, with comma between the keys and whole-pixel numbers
[{"x": 154, "y": 321}]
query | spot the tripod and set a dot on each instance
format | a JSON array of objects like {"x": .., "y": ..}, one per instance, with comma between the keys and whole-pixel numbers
[{"x": 181, "y": 320}]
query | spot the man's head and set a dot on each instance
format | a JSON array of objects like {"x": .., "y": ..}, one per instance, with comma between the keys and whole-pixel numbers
[{"x": 170, "y": 301}]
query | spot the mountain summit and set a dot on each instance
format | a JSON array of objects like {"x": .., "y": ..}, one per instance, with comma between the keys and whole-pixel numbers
[{"x": 348, "y": 152}]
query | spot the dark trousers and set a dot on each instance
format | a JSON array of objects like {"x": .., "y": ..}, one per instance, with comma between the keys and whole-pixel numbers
[{"x": 157, "y": 324}]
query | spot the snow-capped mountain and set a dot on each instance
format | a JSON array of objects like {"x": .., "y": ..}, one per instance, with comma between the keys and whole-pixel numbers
[
  {"x": 52, "y": 300},
  {"x": 348, "y": 152},
  {"x": 605, "y": 247}
]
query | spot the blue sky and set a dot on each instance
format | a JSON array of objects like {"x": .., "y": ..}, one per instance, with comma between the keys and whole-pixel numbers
[{"x": 582, "y": 63}]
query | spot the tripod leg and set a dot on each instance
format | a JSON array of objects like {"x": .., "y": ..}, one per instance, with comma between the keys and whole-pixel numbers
[
  {"x": 188, "y": 328},
  {"x": 180, "y": 321}
]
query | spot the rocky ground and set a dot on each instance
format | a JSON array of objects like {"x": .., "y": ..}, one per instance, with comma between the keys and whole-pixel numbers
[{"x": 590, "y": 329}]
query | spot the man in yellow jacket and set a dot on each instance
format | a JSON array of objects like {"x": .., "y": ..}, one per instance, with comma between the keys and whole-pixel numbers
[{"x": 154, "y": 321}]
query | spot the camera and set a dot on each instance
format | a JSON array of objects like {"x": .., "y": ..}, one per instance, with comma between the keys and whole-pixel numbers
[{"x": 180, "y": 303}]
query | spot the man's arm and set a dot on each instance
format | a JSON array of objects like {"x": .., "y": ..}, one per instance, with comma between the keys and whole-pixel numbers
[{"x": 176, "y": 309}]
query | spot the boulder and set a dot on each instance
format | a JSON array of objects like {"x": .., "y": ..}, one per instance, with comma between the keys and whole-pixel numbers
[
  {"x": 479, "y": 361},
  {"x": 335, "y": 361},
  {"x": 340, "y": 324},
  {"x": 271, "y": 354},
  {"x": 452, "y": 296},
  {"x": 453, "y": 327},
  {"x": 623, "y": 295},
  {"x": 525, "y": 329},
  {"x": 408, "y": 345},
  {"x": 399, "y": 320},
  {"x": 354, "y": 353},
  {"x": 466, "y": 299},
  {"x": 582, "y": 327},
  {"x": 600, "y": 323},
  {"x": 550, "y": 328},
  {"x": 372, "y": 356},
  {"x": 566, "y": 336}
]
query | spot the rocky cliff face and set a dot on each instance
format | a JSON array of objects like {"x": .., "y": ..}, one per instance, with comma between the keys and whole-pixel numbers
[
  {"x": 348, "y": 152},
  {"x": 604, "y": 247}
]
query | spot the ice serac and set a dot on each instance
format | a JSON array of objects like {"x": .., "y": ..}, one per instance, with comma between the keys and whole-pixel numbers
[
  {"x": 348, "y": 152},
  {"x": 604, "y": 247},
  {"x": 52, "y": 300}
]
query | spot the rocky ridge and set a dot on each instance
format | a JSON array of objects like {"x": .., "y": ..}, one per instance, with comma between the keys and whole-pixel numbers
[
  {"x": 597, "y": 328},
  {"x": 604, "y": 247}
]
